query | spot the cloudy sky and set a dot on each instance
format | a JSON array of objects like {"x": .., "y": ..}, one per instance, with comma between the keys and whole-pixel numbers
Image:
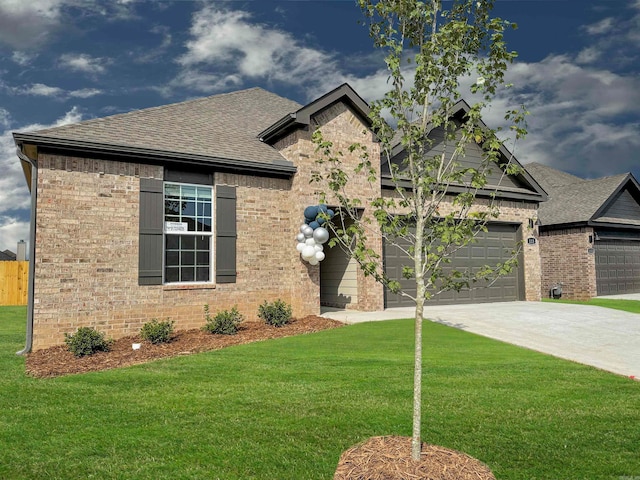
[{"x": 63, "y": 61}]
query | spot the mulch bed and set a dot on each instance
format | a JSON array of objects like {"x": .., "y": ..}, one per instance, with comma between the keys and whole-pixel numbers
[
  {"x": 389, "y": 458},
  {"x": 57, "y": 361}
]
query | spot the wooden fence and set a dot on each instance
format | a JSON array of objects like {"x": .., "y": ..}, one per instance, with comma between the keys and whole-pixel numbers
[{"x": 13, "y": 283}]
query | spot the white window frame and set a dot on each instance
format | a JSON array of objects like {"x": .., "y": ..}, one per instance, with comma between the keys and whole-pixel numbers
[{"x": 209, "y": 234}]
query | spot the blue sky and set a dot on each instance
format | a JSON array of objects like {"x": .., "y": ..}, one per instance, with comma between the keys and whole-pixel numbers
[{"x": 63, "y": 61}]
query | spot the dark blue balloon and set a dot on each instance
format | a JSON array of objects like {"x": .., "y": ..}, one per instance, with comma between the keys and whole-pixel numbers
[
  {"x": 311, "y": 212},
  {"x": 308, "y": 220},
  {"x": 320, "y": 220},
  {"x": 314, "y": 225},
  {"x": 331, "y": 213},
  {"x": 322, "y": 208}
]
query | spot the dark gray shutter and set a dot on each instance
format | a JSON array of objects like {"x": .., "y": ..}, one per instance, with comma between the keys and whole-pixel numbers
[
  {"x": 150, "y": 244},
  {"x": 225, "y": 234}
]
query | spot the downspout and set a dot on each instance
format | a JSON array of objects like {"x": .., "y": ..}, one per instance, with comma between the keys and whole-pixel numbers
[{"x": 32, "y": 250}]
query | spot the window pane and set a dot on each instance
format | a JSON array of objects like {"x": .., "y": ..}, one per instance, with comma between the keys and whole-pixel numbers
[
  {"x": 191, "y": 223},
  {"x": 172, "y": 275},
  {"x": 202, "y": 242},
  {"x": 202, "y": 274},
  {"x": 171, "y": 190},
  {"x": 188, "y": 242},
  {"x": 189, "y": 208},
  {"x": 188, "y": 193},
  {"x": 173, "y": 242},
  {"x": 171, "y": 207},
  {"x": 204, "y": 193},
  {"x": 202, "y": 258},
  {"x": 187, "y": 258},
  {"x": 187, "y": 274},
  {"x": 172, "y": 259}
]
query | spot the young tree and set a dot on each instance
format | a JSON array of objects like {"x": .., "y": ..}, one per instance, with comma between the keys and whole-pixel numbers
[{"x": 430, "y": 51}]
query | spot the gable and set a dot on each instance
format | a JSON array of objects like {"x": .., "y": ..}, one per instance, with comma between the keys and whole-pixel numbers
[
  {"x": 624, "y": 207},
  {"x": 472, "y": 158}
]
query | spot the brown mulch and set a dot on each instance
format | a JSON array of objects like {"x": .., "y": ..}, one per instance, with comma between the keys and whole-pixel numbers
[
  {"x": 57, "y": 361},
  {"x": 389, "y": 458}
]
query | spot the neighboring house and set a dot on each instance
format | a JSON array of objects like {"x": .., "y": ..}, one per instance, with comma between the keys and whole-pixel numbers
[
  {"x": 589, "y": 233},
  {"x": 157, "y": 212},
  {"x": 7, "y": 256}
]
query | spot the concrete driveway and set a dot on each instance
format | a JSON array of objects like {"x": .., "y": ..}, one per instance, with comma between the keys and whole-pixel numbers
[{"x": 601, "y": 337}]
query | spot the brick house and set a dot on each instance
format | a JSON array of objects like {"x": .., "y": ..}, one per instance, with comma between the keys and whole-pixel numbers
[
  {"x": 589, "y": 233},
  {"x": 156, "y": 212}
]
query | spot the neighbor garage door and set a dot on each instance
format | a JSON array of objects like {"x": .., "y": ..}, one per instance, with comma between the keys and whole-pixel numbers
[
  {"x": 491, "y": 248},
  {"x": 617, "y": 266}
]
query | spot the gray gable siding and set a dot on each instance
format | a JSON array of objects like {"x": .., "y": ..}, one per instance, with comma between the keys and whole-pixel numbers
[
  {"x": 624, "y": 208},
  {"x": 472, "y": 159}
]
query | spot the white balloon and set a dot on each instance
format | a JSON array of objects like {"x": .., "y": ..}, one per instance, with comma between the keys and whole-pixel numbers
[
  {"x": 321, "y": 235},
  {"x": 300, "y": 237},
  {"x": 313, "y": 261},
  {"x": 319, "y": 256},
  {"x": 308, "y": 251},
  {"x": 300, "y": 246},
  {"x": 310, "y": 241},
  {"x": 303, "y": 227},
  {"x": 308, "y": 231},
  {"x": 318, "y": 247}
]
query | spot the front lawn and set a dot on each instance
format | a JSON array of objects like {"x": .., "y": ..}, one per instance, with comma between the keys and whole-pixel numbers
[
  {"x": 632, "y": 306},
  {"x": 287, "y": 408}
]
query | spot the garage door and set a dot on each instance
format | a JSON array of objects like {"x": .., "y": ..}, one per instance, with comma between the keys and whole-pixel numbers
[
  {"x": 617, "y": 266},
  {"x": 491, "y": 248}
]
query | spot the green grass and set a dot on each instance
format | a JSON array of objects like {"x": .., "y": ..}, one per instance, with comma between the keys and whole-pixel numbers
[
  {"x": 632, "y": 306},
  {"x": 286, "y": 409}
]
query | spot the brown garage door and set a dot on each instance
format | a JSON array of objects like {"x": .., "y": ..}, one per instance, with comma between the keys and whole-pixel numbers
[
  {"x": 617, "y": 266},
  {"x": 491, "y": 248}
]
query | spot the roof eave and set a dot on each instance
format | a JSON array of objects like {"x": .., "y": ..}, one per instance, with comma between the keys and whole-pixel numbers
[
  {"x": 284, "y": 168},
  {"x": 388, "y": 183}
]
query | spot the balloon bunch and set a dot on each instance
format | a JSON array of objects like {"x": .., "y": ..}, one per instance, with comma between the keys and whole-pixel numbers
[{"x": 312, "y": 234}]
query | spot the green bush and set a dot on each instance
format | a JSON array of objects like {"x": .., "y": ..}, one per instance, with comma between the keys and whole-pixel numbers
[
  {"x": 157, "y": 332},
  {"x": 225, "y": 322},
  {"x": 87, "y": 341},
  {"x": 277, "y": 313}
]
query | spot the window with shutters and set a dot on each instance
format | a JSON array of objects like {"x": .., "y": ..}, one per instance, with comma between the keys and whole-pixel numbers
[{"x": 188, "y": 233}]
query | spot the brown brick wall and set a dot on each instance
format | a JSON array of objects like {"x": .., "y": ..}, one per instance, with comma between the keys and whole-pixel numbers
[
  {"x": 87, "y": 252},
  {"x": 565, "y": 258},
  {"x": 341, "y": 126}
]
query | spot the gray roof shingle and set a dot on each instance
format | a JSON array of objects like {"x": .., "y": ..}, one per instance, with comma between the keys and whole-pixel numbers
[
  {"x": 571, "y": 199},
  {"x": 220, "y": 126}
]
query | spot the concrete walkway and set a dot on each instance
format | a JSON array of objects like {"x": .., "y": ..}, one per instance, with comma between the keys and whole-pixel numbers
[{"x": 601, "y": 337}]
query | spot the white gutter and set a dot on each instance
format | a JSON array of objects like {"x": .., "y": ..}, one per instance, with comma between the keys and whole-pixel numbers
[{"x": 32, "y": 249}]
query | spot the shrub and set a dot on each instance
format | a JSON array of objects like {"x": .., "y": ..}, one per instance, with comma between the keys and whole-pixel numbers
[
  {"x": 87, "y": 341},
  {"x": 277, "y": 313},
  {"x": 225, "y": 322},
  {"x": 157, "y": 332}
]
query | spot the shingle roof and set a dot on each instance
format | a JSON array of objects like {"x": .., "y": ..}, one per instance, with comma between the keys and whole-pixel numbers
[
  {"x": 222, "y": 126},
  {"x": 7, "y": 256},
  {"x": 571, "y": 199},
  {"x": 548, "y": 177}
]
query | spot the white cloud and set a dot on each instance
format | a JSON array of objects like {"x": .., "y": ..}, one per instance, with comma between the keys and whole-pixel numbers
[
  {"x": 85, "y": 92},
  {"x": 588, "y": 55},
  {"x": 84, "y": 63},
  {"x": 600, "y": 28},
  {"x": 22, "y": 58},
  {"x": 14, "y": 193},
  {"x": 12, "y": 230},
  {"x": 25, "y": 24},
  {"x": 580, "y": 115},
  {"x": 41, "y": 90},
  {"x": 226, "y": 46}
]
